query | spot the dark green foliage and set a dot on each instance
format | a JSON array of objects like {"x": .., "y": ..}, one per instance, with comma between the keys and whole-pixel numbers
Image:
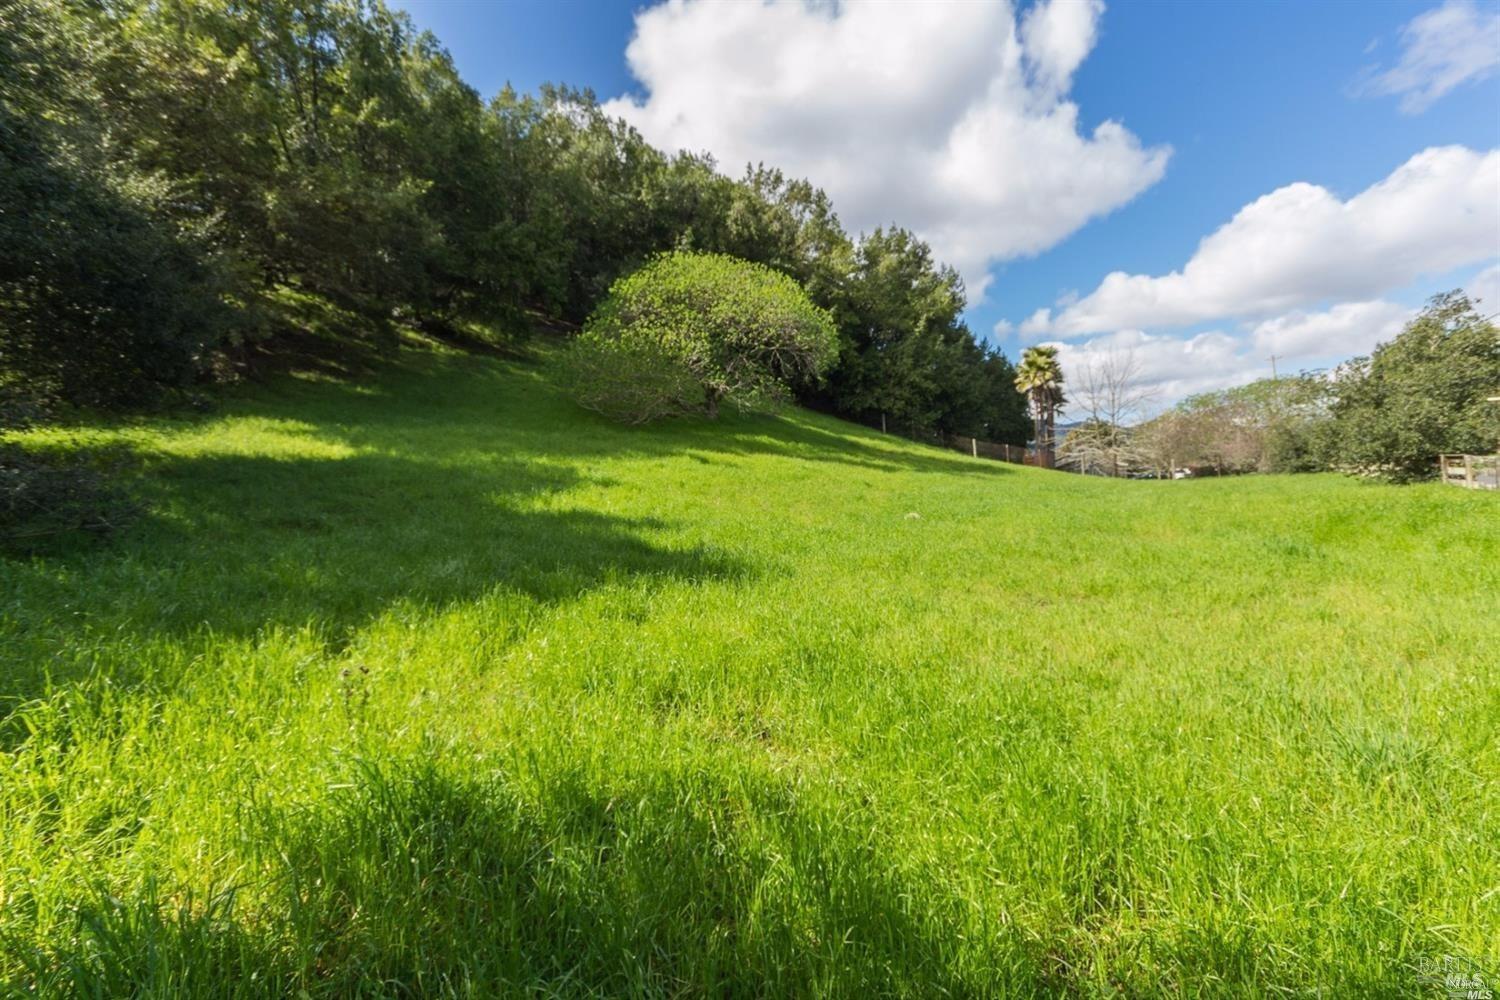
[
  {"x": 690, "y": 331},
  {"x": 906, "y": 353},
  {"x": 173, "y": 167},
  {"x": 317, "y": 144},
  {"x": 108, "y": 306},
  {"x": 1423, "y": 394},
  {"x": 105, "y": 297}
]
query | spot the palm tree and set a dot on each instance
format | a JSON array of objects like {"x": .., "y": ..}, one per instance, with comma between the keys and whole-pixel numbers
[{"x": 1040, "y": 377}]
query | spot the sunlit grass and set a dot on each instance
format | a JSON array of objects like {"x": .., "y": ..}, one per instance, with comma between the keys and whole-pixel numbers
[{"x": 436, "y": 684}]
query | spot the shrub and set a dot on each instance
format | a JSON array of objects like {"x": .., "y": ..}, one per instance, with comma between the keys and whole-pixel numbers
[
  {"x": 106, "y": 297},
  {"x": 690, "y": 331},
  {"x": 1420, "y": 395}
]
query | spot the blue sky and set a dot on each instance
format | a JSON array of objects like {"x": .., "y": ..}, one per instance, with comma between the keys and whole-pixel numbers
[{"x": 975, "y": 125}]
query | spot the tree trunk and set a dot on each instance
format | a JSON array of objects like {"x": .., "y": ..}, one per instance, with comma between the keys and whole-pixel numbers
[
  {"x": 1049, "y": 456},
  {"x": 1039, "y": 423},
  {"x": 711, "y": 403}
]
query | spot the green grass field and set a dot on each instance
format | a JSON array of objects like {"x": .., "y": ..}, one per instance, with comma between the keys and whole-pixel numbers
[{"x": 434, "y": 684}]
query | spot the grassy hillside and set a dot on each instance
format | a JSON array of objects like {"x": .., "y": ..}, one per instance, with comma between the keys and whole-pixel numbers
[{"x": 436, "y": 684}]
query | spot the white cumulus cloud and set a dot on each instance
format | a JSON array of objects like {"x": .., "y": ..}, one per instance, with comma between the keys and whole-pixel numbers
[
  {"x": 1171, "y": 367},
  {"x": 950, "y": 119},
  {"x": 1038, "y": 322},
  {"x": 1302, "y": 245},
  {"x": 1178, "y": 366},
  {"x": 1347, "y": 329},
  {"x": 1447, "y": 46}
]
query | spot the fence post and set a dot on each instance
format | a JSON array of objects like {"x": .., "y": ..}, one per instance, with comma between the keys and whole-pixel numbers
[
  {"x": 882, "y": 423},
  {"x": 1469, "y": 471},
  {"x": 974, "y": 447}
]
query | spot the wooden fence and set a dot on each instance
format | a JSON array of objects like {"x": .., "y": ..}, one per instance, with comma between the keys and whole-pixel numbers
[
  {"x": 954, "y": 442},
  {"x": 987, "y": 449},
  {"x": 1475, "y": 472}
]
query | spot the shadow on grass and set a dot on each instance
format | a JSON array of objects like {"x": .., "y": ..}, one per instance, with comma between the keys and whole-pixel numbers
[
  {"x": 437, "y": 483},
  {"x": 539, "y": 420},
  {"x": 790, "y": 438},
  {"x": 430, "y": 878},
  {"x": 240, "y": 543}
]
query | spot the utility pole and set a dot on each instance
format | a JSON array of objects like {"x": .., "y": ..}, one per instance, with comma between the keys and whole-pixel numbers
[{"x": 1273, "y": 359}]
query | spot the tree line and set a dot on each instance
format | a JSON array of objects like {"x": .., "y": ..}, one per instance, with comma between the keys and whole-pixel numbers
[
  {"x": 1432, "y": 389},
  {"x": 173, "y": 169}
]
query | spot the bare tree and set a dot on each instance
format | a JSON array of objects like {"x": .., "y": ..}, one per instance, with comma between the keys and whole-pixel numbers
[
  {"x": 1168, "y": 441},
  {"x": 1268, "y": 425},
  {"x": 1109, "y": 390},
  {"x": 1110, "y": 387}
]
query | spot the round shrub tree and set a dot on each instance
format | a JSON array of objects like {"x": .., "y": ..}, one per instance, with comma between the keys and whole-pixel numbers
[{"x": 690, "y": 331}]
